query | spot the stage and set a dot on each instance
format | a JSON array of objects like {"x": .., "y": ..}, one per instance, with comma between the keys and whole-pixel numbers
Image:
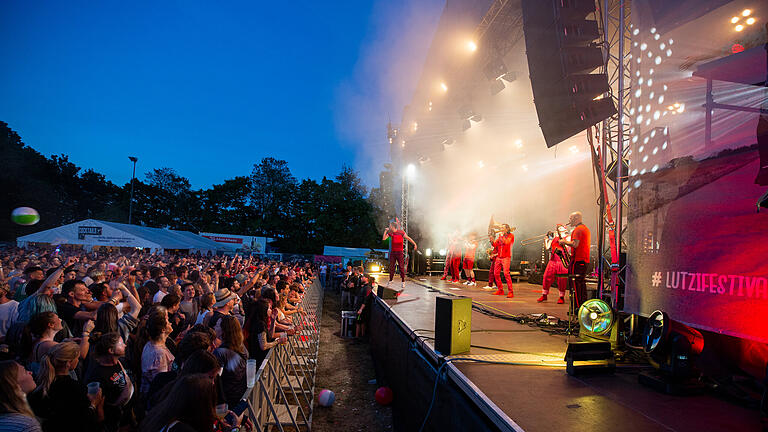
[{"x": 532, "y": 394}]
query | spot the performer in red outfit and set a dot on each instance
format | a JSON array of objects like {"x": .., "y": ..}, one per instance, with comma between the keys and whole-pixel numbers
[
  {"x": 470, "y": 247},
  {"x": 580, "y": 244},
  {"x": 504, "y": 243},
  {"x": 396, "y": 249},
  {"x": 449, "y": 256},
  {"x": 454, "y": 250},
  {"x": 556, "y": 265}
]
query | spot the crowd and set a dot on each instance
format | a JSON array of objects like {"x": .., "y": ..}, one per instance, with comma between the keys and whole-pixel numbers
[{"x": 106, "y": 341}]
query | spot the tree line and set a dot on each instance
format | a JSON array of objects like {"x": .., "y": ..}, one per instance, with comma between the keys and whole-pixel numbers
[{"x": 302, "y": 216}]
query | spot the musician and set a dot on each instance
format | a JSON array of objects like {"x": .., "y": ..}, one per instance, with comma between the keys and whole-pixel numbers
[
  {"x": 470, "y": 247},
  {"x": 580, "y": 243},
  {"x": 454, "y": 249},
  {"x": 504, "y": 245},
  {"x": 452, "y": 239},
  {"x": 556, "y": 265},
  {"x": 398, "y": 236}
]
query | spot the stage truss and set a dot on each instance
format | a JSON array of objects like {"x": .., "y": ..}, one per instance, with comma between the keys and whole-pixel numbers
[{"x": 614, "y": 18}]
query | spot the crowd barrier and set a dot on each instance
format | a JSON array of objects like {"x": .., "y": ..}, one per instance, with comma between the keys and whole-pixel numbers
[{"x": 282, "y": 395}]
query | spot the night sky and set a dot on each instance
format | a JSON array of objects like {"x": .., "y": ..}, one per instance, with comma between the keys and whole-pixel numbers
[{"x": 210, "y": 88}]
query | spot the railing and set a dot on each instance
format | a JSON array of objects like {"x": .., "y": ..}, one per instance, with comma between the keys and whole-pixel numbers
[{"x": 283, "y": 394}]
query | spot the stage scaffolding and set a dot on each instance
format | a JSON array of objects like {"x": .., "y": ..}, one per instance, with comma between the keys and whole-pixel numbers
[{"x": 614, "y": 19}]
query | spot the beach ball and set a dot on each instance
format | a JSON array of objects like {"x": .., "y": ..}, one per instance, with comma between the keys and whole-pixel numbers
[
  {"x": 384, "y": 396},
  {"x": 25, "y": 216},
  {"x": 326, "y": 398}
]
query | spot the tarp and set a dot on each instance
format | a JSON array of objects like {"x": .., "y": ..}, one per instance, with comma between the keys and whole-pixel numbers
[{"x": 91, "y": 232}]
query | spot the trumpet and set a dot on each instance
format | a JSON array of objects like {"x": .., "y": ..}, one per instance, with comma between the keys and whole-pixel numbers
[{"x": 532, "y": 240}]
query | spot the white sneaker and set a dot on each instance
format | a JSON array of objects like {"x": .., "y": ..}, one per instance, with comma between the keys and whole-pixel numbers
[{"x": 403, "y": 285}]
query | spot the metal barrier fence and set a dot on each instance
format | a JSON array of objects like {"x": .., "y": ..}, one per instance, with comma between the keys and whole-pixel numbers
[{"x": 283, "y": 394}]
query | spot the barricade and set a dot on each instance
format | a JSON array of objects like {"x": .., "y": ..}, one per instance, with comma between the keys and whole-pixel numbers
[{"x": 283, "y": 395}]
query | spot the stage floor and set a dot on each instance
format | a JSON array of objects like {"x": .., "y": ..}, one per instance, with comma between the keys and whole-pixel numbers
[{"x": 540, "y": 396}]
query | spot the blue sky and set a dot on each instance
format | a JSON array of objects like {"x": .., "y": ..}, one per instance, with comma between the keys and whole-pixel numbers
[{"x": 209, "y": 88}]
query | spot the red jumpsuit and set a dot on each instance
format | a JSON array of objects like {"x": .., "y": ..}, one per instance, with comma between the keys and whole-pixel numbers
[
  {"x": 504, "y": 243},
  {"x": 454, "y": 250},
  {"x": 555, "y": 266}
]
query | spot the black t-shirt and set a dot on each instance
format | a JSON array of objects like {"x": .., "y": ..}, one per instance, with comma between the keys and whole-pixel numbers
[
  {"x": 254, "y": 349},
  {"x": 116, "y": 387},
  {"x": 67, "y": 313},
  {"x": 69, "y": 407},
  {"x": 214, "y": 319}
]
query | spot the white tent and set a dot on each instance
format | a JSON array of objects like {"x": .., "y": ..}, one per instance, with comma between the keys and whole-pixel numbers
[{"x": 91, "y": 232}]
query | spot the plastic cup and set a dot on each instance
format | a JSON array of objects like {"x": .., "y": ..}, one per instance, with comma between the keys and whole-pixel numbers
[
  {"x": 250, "y": 372},
  {"x": 222, "y": 410},
  {"x": 93, "y": 388}
]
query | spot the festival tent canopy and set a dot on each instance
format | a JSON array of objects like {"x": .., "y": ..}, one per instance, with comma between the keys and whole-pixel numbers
[{"x": 91, "y": 232}]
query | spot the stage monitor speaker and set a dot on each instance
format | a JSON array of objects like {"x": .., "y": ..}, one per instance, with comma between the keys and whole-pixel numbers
[
  {"x": 385, "y": 293},
  {"x": 562, "y": 54},
  {"x": 453, "y": 324}
]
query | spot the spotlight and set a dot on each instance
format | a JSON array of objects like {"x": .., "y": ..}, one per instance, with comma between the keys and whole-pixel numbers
[
  {"x": 471, "y": 46},
  {"x": 443, "y": 87},
  {"x": 411, "y": 171},
  {"x": 423, "y": 160},
  {"x": 428, "y": 252},
  {"x": 596, "y": 317},
  {"x": 734, "y": 20},
  {"x": 375, "y": 268},
  {"x": 494, "y": 69},
  {"x": 480, "y": 164},
  {"x": 477, "y": 118},
  {"x": 750, "y": 21},
  {"x": 739, "y": 28},
  {"x": 509, "y": 76},
  {"x": 448, "y": 142},
  {"x": 442, "y": 252},
  {"x": 746, "y": 12},
  {"x": 674, "y": 347},
  {"x": 465, "y": 125},
  {"x": 415, "y": 126},
  {"x": 497, "y": 86}
]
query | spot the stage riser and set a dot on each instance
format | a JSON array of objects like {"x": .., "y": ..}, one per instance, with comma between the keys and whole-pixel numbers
[{"x": 411, "y": 378}]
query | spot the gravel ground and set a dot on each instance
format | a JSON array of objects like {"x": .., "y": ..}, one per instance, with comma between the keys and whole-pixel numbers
[{"x": 345, "y": 367}]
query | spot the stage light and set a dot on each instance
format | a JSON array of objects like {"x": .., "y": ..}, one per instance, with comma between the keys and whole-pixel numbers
[
  {"x": 415, "y": 126},
  {"x": 443, "y": 87},
  {"x": 737, "y": 48},
  {"x": 402, "y": 143},
  {"x": 465, "y": 124},
  {"x": 480, "y": 164},
  {"x": 471, "y": 46},
  {"x": 739, "y": 28},
  {"x": 657, "y": 60},
  {"x": 448, "y": 142},
  {"x": 746, "y": 12},
  {"x": 643, "y": 46},
  {"x": 640, "y": 80},
  {"x": 653, "y": 30},
  {"x": 442, "y": 252},
  {"x": 477, "y": 118},
  {"x": 423, "y": 160},
  {"x": 750, "y": 21},
  {"x": 573, "y": 149},
  {"x": 525, "y": 168},
  {"x": 638, "y": 183},
  {"x": 430, "y": 106},
  {"x": 375, "y": 268},
  {"x": 428, "y": 252},
  {"x": 519, "y": 143},
  {"x": 497, "y": 86},
  {"x": 734, "y": 20},
  {"x": 411, "y": 171},
  {"x": 596, "y": 317},
  {"x": 636, "y": 32}
]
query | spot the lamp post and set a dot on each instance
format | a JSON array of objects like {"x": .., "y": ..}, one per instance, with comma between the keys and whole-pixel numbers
[{"x": 133, "y": 175}]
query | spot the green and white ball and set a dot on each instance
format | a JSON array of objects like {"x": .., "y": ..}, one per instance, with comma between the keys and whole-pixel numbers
[{"x": 25, "y": 216}]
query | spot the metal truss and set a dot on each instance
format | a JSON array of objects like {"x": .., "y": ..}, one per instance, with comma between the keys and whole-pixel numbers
[{"x": 614, "y": 19}]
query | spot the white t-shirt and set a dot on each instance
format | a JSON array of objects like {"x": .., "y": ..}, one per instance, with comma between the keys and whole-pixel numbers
[
  {"x": 8, "y": 313},
  {"x": 159, "y": 297}
]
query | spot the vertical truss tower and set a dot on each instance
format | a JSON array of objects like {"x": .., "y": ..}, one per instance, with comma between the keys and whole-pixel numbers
[{"x": 614, "y": 18}]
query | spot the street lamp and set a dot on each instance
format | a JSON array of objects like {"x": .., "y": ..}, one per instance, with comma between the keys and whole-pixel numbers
[{"x": 133, "y": 175}]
